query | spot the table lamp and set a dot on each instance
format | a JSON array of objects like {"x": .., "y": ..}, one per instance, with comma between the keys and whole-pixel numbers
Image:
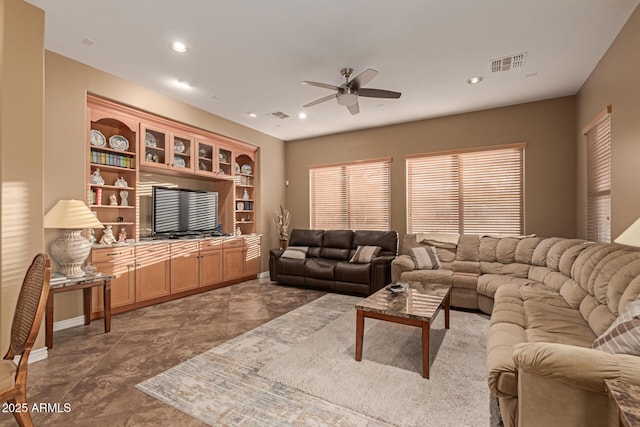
[
  {"x": 630, "y": 236},
  {"x": 71, "y": 248}
]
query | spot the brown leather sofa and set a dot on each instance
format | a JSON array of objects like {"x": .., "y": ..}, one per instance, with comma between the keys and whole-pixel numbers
[{"x": 327, "y": 267}]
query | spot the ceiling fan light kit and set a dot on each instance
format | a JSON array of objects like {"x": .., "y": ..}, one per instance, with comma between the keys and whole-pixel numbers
[{"x": 347, "y": 94}]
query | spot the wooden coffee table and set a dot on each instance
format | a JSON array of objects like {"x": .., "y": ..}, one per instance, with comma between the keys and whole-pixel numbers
[{"x": 417, "y": 306}]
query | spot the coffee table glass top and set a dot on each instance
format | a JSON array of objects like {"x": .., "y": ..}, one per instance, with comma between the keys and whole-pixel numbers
[{"x": 419, "y": 301}]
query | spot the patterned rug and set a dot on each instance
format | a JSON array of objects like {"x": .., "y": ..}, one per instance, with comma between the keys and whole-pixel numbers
[{"x": 247, "y": 381}]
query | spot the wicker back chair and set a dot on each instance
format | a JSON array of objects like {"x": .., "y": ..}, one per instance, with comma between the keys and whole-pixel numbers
[{"x": 24, "y": 329}]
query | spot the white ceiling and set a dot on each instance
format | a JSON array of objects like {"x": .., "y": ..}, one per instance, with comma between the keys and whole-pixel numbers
[{"x": 251, "y": 55}]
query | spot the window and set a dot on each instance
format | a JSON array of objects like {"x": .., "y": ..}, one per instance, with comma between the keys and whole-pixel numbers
[
  {"x": 467, "y": 191},
  {"x": 351, "y": 196},
  {"x": 598, "y": 134}
]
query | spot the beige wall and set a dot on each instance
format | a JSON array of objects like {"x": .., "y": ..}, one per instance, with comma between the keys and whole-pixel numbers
[
  {"x": 21, "y": 145},
  {"x": 547, "y": 126},
  {"x": 615, "y": 81},
  {"x": 67, "y": 83}
]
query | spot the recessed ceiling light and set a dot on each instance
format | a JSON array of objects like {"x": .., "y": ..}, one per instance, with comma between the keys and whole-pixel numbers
[
  {"x": 302, "y": 115},
  {"x": 88, "y": 42},
  {"x": 474, "y": 80},
  {"x": 252, "y": 115},
  {"x": 179, "y": 47},
  {"x": 531, "y": 75},
  {"x": 183, "y": 84}
]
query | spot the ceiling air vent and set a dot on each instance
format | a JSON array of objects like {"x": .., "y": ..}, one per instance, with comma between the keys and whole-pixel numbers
[
  {"x": 508, "y": 62},
  {"x": 280, "y": 115}
]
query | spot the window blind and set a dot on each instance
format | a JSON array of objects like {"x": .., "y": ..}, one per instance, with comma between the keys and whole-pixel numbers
[
  {"x": 350, "y": 196},
  {"x": 473, "y": 191},
  {"x": 599, "y": 178}
]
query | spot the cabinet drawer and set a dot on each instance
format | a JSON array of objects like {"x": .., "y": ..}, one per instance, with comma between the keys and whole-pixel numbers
[
  {"x": 210, "y": 245},
  {"x": 183, "y": 249},
  {"x": 118, "y": 255},
  {"x": 231, "y": 244},
  {"x": 152, "y": 253}
]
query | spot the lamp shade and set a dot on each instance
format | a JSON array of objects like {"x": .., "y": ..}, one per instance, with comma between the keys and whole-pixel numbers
[
  {"x": 71, "y": 214},
  {"x": 630, "y": 236}
]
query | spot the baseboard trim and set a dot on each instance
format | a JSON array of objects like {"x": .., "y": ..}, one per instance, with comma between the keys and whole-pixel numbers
[
  {"x": 35, "y": 355},
  {"x": 68, "y": 323},
  {"x": 263, "y": 275}
]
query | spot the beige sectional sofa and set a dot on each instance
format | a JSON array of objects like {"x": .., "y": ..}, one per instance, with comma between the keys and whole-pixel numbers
[{"x": 549, "y": 299}]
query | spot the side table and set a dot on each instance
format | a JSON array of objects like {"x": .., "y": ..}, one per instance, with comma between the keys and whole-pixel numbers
[
  {"x": 85, "y": 283},
  {"x": 626, "y": 398}
]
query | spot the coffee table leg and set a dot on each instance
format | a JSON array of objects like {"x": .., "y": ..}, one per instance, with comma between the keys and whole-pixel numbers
[
  {"x": 359, "y": 334},
  {"x": 426, "y": 328},
  {"x": 447, "y": 306}
]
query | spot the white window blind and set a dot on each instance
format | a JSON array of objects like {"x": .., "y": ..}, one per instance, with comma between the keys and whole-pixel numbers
[
  {"x": 479, "y": 191},
  {"x": 599, "y": 178},
  {"x": 351, "y": 196}
]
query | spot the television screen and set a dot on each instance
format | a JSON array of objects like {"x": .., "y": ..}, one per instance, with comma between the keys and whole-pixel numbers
[{"x": 180, "y": 211}]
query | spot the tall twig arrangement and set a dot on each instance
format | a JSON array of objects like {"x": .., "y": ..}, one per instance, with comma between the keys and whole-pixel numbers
[{"x": 282, "y": 222}]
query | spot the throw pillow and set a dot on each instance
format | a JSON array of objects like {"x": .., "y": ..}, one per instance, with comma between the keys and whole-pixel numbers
[
  {"x": 364, "y": 254},
  {"x": 623, "y": 336},
  {"x": 296, "y": 252},
  {"x": 425, "y": 258}
]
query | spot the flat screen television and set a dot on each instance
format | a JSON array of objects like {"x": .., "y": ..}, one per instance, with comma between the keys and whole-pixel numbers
[{"x": 179, "y": 211}]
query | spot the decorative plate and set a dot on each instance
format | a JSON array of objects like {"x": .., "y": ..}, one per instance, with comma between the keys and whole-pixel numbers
[
  {"x": 119, "y": 142},
  {"x": 150, "y": 139},
  {"x": 237, "y": 168},
  {"x": 239, "y": 206},
  {"x": 202, "y": 152},
  {"x": 178, "y": 147},
  {"x": 98, "y": 139},
  {"x": 246, "y": 169},
  {"x": 179, "y": 162}
]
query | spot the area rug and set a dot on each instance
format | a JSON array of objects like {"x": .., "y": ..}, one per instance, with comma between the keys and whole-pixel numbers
[{"x": 245, "y": 381}]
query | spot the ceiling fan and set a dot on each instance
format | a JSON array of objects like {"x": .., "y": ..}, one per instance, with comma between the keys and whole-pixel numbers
[{"x": 347, "y": 93}]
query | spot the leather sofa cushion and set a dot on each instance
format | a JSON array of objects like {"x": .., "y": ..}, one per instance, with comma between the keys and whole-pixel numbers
[
  {"x": 311, "y": 238},
  {"x": 337, "y": 244},
  {"x": 291, "y": 266},
  {"x": 352, "y": 273},
  {"x": 440, "y": 276},
  {"x": 387, "y": 240},
  {"x": 319, "y": 268}
]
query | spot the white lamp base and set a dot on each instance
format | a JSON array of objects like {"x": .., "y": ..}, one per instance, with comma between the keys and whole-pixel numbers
[{"x": 69, "y": 251}]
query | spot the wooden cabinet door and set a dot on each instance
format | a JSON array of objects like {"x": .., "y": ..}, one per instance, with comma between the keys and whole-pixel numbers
[
  {"x": 184, "y": 266},
  {"x": 210, "y": 267},
  {"x": 153, "y": 266},
  {"x": 233, "y": 259},
  {"x": 154, "y": 147},
  {"x": 252, "y": 257},
  {"x": 119, "y": 262}
]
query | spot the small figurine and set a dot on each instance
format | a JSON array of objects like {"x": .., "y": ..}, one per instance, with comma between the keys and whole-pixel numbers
[
  {"x": 92, "y": 236},
  {"x": 108, "y": 238},
  {"x": 96, "y": 178},
  {"x": 122, "y": 237},
  {"x": 124, "y": 194},
  {"x": 121, "y": 182},
  {"x": 113, "y": 201},
  {"x": 245, "y": 196},
  {"x": 238, "y": 232}
]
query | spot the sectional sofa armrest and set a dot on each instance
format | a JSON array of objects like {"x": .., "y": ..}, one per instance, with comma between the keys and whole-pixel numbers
[
  {"x": 380, "y": 272},
  {"x": 400, "y": 265},
  {"x": 574, "y": 366}
]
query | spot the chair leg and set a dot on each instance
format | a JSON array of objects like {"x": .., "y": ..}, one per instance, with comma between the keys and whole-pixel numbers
[{"x": 22, "y": 417}]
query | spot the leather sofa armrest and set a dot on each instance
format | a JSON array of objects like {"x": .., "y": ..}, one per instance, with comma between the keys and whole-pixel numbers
[
  {"x": 380, "y": 272},
  {"x": 574, "y": 366},
  {"x": 274, "y": 256}
]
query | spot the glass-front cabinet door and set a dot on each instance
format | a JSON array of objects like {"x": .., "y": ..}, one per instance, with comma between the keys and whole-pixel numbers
[
  {"x": 207, "y": 158},
  {"x": 155, "y": 142},
  {"x": 181, "y": 150}
]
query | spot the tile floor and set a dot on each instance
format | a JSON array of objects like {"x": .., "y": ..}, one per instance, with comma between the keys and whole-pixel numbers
[{"x": 96, "y": 372}]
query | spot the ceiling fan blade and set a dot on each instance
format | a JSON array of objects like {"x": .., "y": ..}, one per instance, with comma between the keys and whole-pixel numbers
[
  {"x": 354, "y": 109},
  {"x": 318, "y": 101},
  {"x": 322, "y": 85},
  {"x": 378, "y": 93},
  {"x": 362, "y": 79}
]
